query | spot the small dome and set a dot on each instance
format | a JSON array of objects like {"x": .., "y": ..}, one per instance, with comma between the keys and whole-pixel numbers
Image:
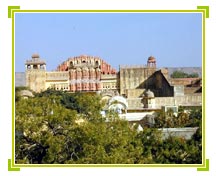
[
  {"x": 35, "y": 55},
  {"x": 151, "y": 59},
  {"x": 149, "y": 94},
  {"x": 119, "y": 99},
  {"x": 26, "y": 93}
]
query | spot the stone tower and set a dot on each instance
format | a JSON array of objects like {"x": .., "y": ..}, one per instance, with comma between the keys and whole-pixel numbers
[
  {"x": 151, "y": 63},
  {"x": 151, "y": 66},
  {"x": 36, "y": 73}
]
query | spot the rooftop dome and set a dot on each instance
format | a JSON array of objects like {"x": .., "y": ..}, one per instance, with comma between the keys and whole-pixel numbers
[
  {"x": 151, "y": 59},
  {"x": 118, "y": 99},
  {"x": 118, "y": 104},
  {"x": 149, "y": 94},
  {"x": 35, "y": 60},
  {"x": 26, "y": 93},
  {"x": 35, "y": 55}
]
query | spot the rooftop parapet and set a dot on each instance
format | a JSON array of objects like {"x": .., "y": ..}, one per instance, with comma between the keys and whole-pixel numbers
[
  {"x": 35, "y": 60},
  {"x": 132, "y": 66}
]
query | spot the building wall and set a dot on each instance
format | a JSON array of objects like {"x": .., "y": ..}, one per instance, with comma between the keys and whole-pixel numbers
[
  {"x": 58, "y": 80},
  {"x": 158, "y": 84},
  {"x": 51, "y": 76},
  {"x": 135, "y": 103},
  {"x": 178, "y": 90},
  {"x": 58, "y": 85},
  {"x": 134, "y": 93},
  {"x": 88, "y": 73},
  {"x": 191, "y": 90},
  {"x": 182, "y": 81},
  {"x": 133, "y": 77},
  {"x": 36, "y": 73},
  {"x": 84, "y": 79},
  {"x": 109, "y": 82},
  {"x": 186, "y": 100},
  {"x": 36, "y": 80},
  {"x": 185, "y": 133}
]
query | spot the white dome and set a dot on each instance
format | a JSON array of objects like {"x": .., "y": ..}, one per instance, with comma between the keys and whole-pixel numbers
[
  {"x": 118, "y": 99},
  {"x": 149, "y": 94},
  {"x": 26, "y": 93}
]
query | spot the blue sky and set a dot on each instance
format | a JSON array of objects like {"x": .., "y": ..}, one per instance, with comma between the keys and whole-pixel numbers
[{"x": 174, "y": 39}]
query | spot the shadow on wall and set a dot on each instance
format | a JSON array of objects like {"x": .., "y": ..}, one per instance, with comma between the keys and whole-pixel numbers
[{"x": 158, "y": 84}]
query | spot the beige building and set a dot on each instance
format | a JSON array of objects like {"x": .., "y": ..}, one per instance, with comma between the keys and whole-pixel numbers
[
  {"x": 36, "y": 73},
  {"x": 134, "y": 77},
  {"x": 82, "y": 73},
  {"x": 144, "y": 86}
]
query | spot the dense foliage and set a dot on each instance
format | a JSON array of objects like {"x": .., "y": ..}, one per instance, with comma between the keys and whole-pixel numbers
[
  {"x": 17, "y": 91},
  {"x": 185, "y": 118},
  {"x": 181, "y": 74},
  {"x": 59, "y": 128}
]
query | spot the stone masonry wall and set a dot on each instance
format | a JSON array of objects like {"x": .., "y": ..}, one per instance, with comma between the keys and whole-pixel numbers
[{"x": 186, "y": 100}]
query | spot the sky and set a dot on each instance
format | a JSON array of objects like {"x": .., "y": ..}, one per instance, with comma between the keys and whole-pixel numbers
[{"x": 174, "y": 39}]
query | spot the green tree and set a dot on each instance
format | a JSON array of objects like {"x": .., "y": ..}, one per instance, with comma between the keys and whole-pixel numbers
[
  {"x": 174, "y": 149},
  {"x": 60, "y": 128},
  {"x": 42, "y": 125},
  {"x": 50, "y": 92},
  {"x": 112, "y": 142},
  {"x": 193, "y": 75},
  {"x": 17, "y": 92},
  {"x": 47, "y": 132},
  {"x": 188, "y": 118},
  {"x": 181, "y": 74},
  {"x": 86, "y": 104}
]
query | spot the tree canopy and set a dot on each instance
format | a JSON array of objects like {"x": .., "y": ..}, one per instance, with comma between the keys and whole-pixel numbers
[
  {"x": 181, "y": 74},
  {"x": 59, "y": 128}
]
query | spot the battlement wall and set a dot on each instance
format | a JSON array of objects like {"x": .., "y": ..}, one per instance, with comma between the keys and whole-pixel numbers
[
  {"x": 63, "y": 75},
  {"x": 186, "y": 100},
  {"x": 132, "y": 66}
]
